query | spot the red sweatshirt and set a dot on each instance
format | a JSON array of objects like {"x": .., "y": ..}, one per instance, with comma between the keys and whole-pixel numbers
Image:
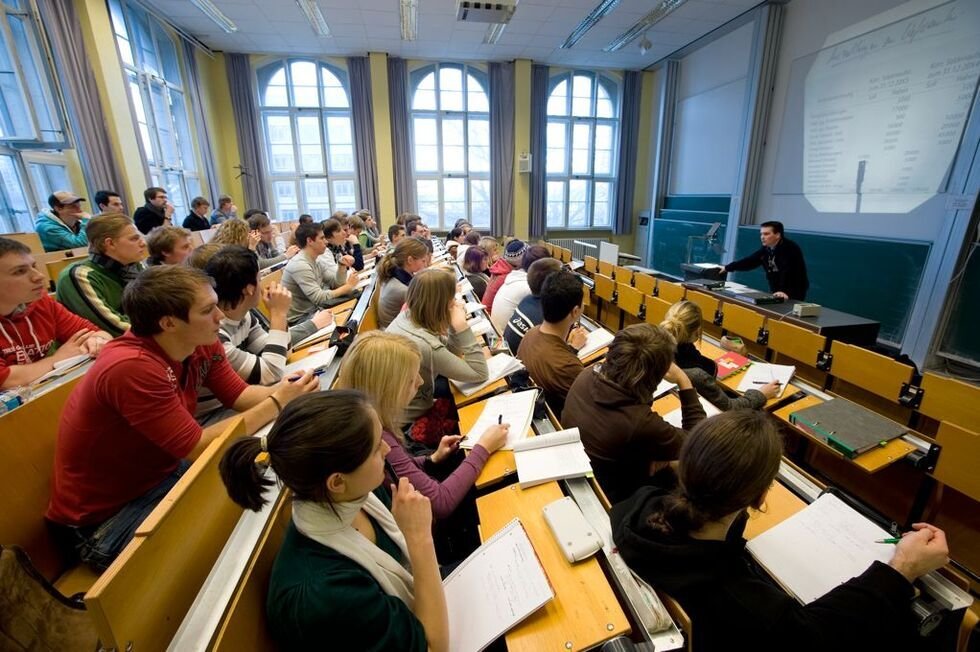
[
  {"x": 498, "y": 272},
  {"x": 28, "y": 335}
]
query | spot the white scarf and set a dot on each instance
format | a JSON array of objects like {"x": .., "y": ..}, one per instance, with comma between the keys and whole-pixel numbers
[{"x": 335, "y": 530}]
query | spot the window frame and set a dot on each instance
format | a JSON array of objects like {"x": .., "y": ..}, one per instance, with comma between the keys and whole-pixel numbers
[
  {"x": 188, "y": 181},
  {"x": 293, "y": 112},
  {"x": 416, "y": 77},
  {"x": 568, "y": 120}
]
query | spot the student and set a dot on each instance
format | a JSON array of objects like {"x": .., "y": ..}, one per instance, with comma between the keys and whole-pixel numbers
[
  {"x": 386, "y": 366},
  {"x": 305, "y": 219},
  {"x": 109, "y": 201},
  {"x": 514, "y": 288},
  {"x": 471, "y": 239},
  {"x": 344, "y": 252},
  {"x": 528, "y": 312},
  {"x": 258, "y": 222},
  {"x": 683, "y": 321},
  {"x": 258, "y": 355},
  {"x": 201, "y": 255},
  {"x": 550, "y": 351},
  {"x": 395, "y": 233},
  {"x": 782, "y": 260},
  {"x": 511, "y": 260},
  {"x": 357, "y": 565},
  {"x": 395, "y": 272},
  {"x": 689, "y": 542},
  {"x": 226, "y": 210},
  {"x": 93, "y": 288},
  {"x": 475, "y": 268},
  {"x": 155, "y": 212},
  {"x": 63, "y": 225},
  {"x": 611, "y": 406},
  {"x": 127, "y": 431},
  {"x": 436, "y": 323},
  {"x": 370, "y": 236},
  {"x": 311, "y": 284},
  {"x": 197, "y": 219},
  {"x": 169, "y": 245},
  {"x": 32, "y": 323},
  {"x": 492, "y": 247}
]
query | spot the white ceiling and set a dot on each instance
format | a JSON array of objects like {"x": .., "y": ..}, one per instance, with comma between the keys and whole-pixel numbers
[{"x": 535, "y": 32}]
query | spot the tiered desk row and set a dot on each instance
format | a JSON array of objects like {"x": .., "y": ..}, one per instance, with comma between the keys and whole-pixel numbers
[{"x": 195, "y": 576}]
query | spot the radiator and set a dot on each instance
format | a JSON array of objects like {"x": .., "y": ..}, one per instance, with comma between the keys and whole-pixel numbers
[{"x": 579, "y": 251}]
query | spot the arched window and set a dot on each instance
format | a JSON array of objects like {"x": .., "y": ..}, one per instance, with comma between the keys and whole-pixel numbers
[
  {"x": 156, "y": 87},
  {"x": 304, "y": 107},
  {"x": 451, "y": 144},
  {"x": 583, "y": 138}
]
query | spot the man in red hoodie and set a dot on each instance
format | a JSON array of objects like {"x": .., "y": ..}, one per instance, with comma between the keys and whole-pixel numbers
[
  {"x": 32, "y": 323},
  {"x": 511, "y": 260}
]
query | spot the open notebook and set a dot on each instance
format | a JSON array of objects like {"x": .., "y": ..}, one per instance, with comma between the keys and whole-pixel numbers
[
  {"x": 555, "y": 456},
  {"x": 498, "y": 367},
  {"x": 760, "y": 373},
  {"x": 321, "y": 334},
  {"x": 596, "y": 339},
  {"x": 515, "y": 409},
  {"x": 494, "y": 589},
  {"x": 316, "y": 362},
  {"x": 62, "y": 367},
  {"x": 820, "y": 547}
]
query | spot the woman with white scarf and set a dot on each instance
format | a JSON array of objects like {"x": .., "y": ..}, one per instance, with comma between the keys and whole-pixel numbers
[{"x": 357, "y": 568}]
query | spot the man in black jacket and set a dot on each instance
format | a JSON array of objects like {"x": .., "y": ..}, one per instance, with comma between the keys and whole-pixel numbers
[
  {"x": 156, "y": 212},
  {"x": 783, "y": 261}
]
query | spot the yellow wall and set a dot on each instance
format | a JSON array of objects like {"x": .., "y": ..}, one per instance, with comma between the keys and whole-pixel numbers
[
  {"x": 380, "y": 103},
  {"x": 220, "y": 118}
]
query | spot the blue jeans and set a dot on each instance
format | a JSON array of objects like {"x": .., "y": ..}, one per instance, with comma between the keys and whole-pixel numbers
[{"x": 99, "y": 545}]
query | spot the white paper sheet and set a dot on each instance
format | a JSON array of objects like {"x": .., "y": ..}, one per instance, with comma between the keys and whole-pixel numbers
[
  {"x": 550, "y": 457},
  {"x": 515, "y": 409},
  {"x": 760, "y": 373},
  {"x": 674, "y": 417},
  {"x": 595, "y": 340}
]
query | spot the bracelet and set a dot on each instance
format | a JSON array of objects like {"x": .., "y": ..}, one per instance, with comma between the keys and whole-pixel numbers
[{"x": 278, "y": 404}]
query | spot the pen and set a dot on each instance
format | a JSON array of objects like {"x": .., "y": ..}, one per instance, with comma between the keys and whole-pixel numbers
[
  {"x": 765, "y": 382},
  {"x": 891, "y": 540},
  {"x": 500, "y": 419}
]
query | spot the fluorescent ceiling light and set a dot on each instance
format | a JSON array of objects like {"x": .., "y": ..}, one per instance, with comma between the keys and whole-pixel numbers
[
  {"x": 409, "y": 14},
  {"x": 493, "y": 33},
  {"x": 215, "y": 14},
  {"x": 659, "y": 13},
  {"x": 313, "y": 15},
  {"x": 589, "y": 22}
]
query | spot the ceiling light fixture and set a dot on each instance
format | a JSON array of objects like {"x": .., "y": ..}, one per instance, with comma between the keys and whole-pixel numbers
[
  {"x": 645, "y": 44},
  {"x": 493, "y": 33},
  {"x": 212, "y": 12},
  {"x": 314, "y": 15},
  {"x": 409, "y": 15},
  {"x": 589, "y": 22},
  {"x": 659, "y": 13}
]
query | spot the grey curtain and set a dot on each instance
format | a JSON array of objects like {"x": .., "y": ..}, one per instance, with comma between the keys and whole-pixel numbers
[
  {"x": 81, "y": 97},
  {"x": 247, "y": 129},
  {"x": 401, "y": 136},
  {"x": 502, "y": 148},
  {"x": 539, "y": 148},
  {"x": 200, "y": 121},
  {"x": 362, "y": 115},
  {"x": 629, "y": 133}
]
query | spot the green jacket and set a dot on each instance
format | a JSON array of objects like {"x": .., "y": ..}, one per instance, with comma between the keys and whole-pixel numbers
[
  {"x": 319, "y": 599},
  {"x": 94, "y": 291}
]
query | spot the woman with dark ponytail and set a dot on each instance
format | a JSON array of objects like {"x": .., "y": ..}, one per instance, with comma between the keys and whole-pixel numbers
[
  {"x": 688, "y": 543},
  {"x": 357, "y": 569}
]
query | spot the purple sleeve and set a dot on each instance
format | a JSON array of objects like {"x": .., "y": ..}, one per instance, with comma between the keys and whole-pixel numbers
[{"x": 446, "y": 495}]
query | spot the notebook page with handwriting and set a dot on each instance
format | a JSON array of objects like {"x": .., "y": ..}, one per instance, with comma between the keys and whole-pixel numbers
[{"x": 515, "y": 409}]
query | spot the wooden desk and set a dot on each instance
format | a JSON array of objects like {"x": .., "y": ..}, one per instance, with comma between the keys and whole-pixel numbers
[
  {"x": 780, "y": 504},
  {"x": 585, "y": 611},
  {"x": 341, "y": 313},
  {"x": 714, "y": 352},
  {"x": 501, "y": 463},
  {"x": 495, "y": 387},
  {"x": 871, "y": 461}
]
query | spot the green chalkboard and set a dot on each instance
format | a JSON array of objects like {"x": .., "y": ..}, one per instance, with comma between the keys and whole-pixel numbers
[
  {"x": 961, "y": 338},
  {"x": 683, "y": 216},
  {"x": 876, "y": 279}
]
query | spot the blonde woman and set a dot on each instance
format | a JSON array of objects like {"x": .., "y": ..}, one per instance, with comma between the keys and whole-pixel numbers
[
  {"x": 436, "y": 323},
  {"x": 683, "y": 321},
  {"x": 235, "y": 231},
  {"x": 385, "y": 366}
]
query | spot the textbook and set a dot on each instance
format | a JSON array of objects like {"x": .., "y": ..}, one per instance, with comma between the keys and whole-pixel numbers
[
  {"x": 760, "y": 373},
  {"x": 321, "y": 334},
  {"x": 596, "y": 339},
  {"x": 819, "y": 548},
  {"x": 554, "y": 456},
  {"x": 494, "y": 589},
  {"x": 847, "y": 427},
  {"x": 731, "y": 363},
  {"x": 516, "y": 409}
]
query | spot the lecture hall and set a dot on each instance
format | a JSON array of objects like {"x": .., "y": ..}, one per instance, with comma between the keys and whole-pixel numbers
[{"x": 525, "y": 325}]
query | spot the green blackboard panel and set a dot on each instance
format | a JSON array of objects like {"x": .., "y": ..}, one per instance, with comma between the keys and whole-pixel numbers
[
  {"x": 710, "y": 203},
  {"x": 961, "y": 338},
  {"x": 670, "y": 245},
  {"x": 704, "y": 217},
  {"x": 876, "y": 279}
]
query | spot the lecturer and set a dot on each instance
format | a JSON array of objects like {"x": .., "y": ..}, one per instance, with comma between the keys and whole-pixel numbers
[{"x": 781, "y": 258}]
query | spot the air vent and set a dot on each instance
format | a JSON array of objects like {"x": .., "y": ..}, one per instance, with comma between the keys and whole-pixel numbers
[{"x": 485, "y": 12}]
